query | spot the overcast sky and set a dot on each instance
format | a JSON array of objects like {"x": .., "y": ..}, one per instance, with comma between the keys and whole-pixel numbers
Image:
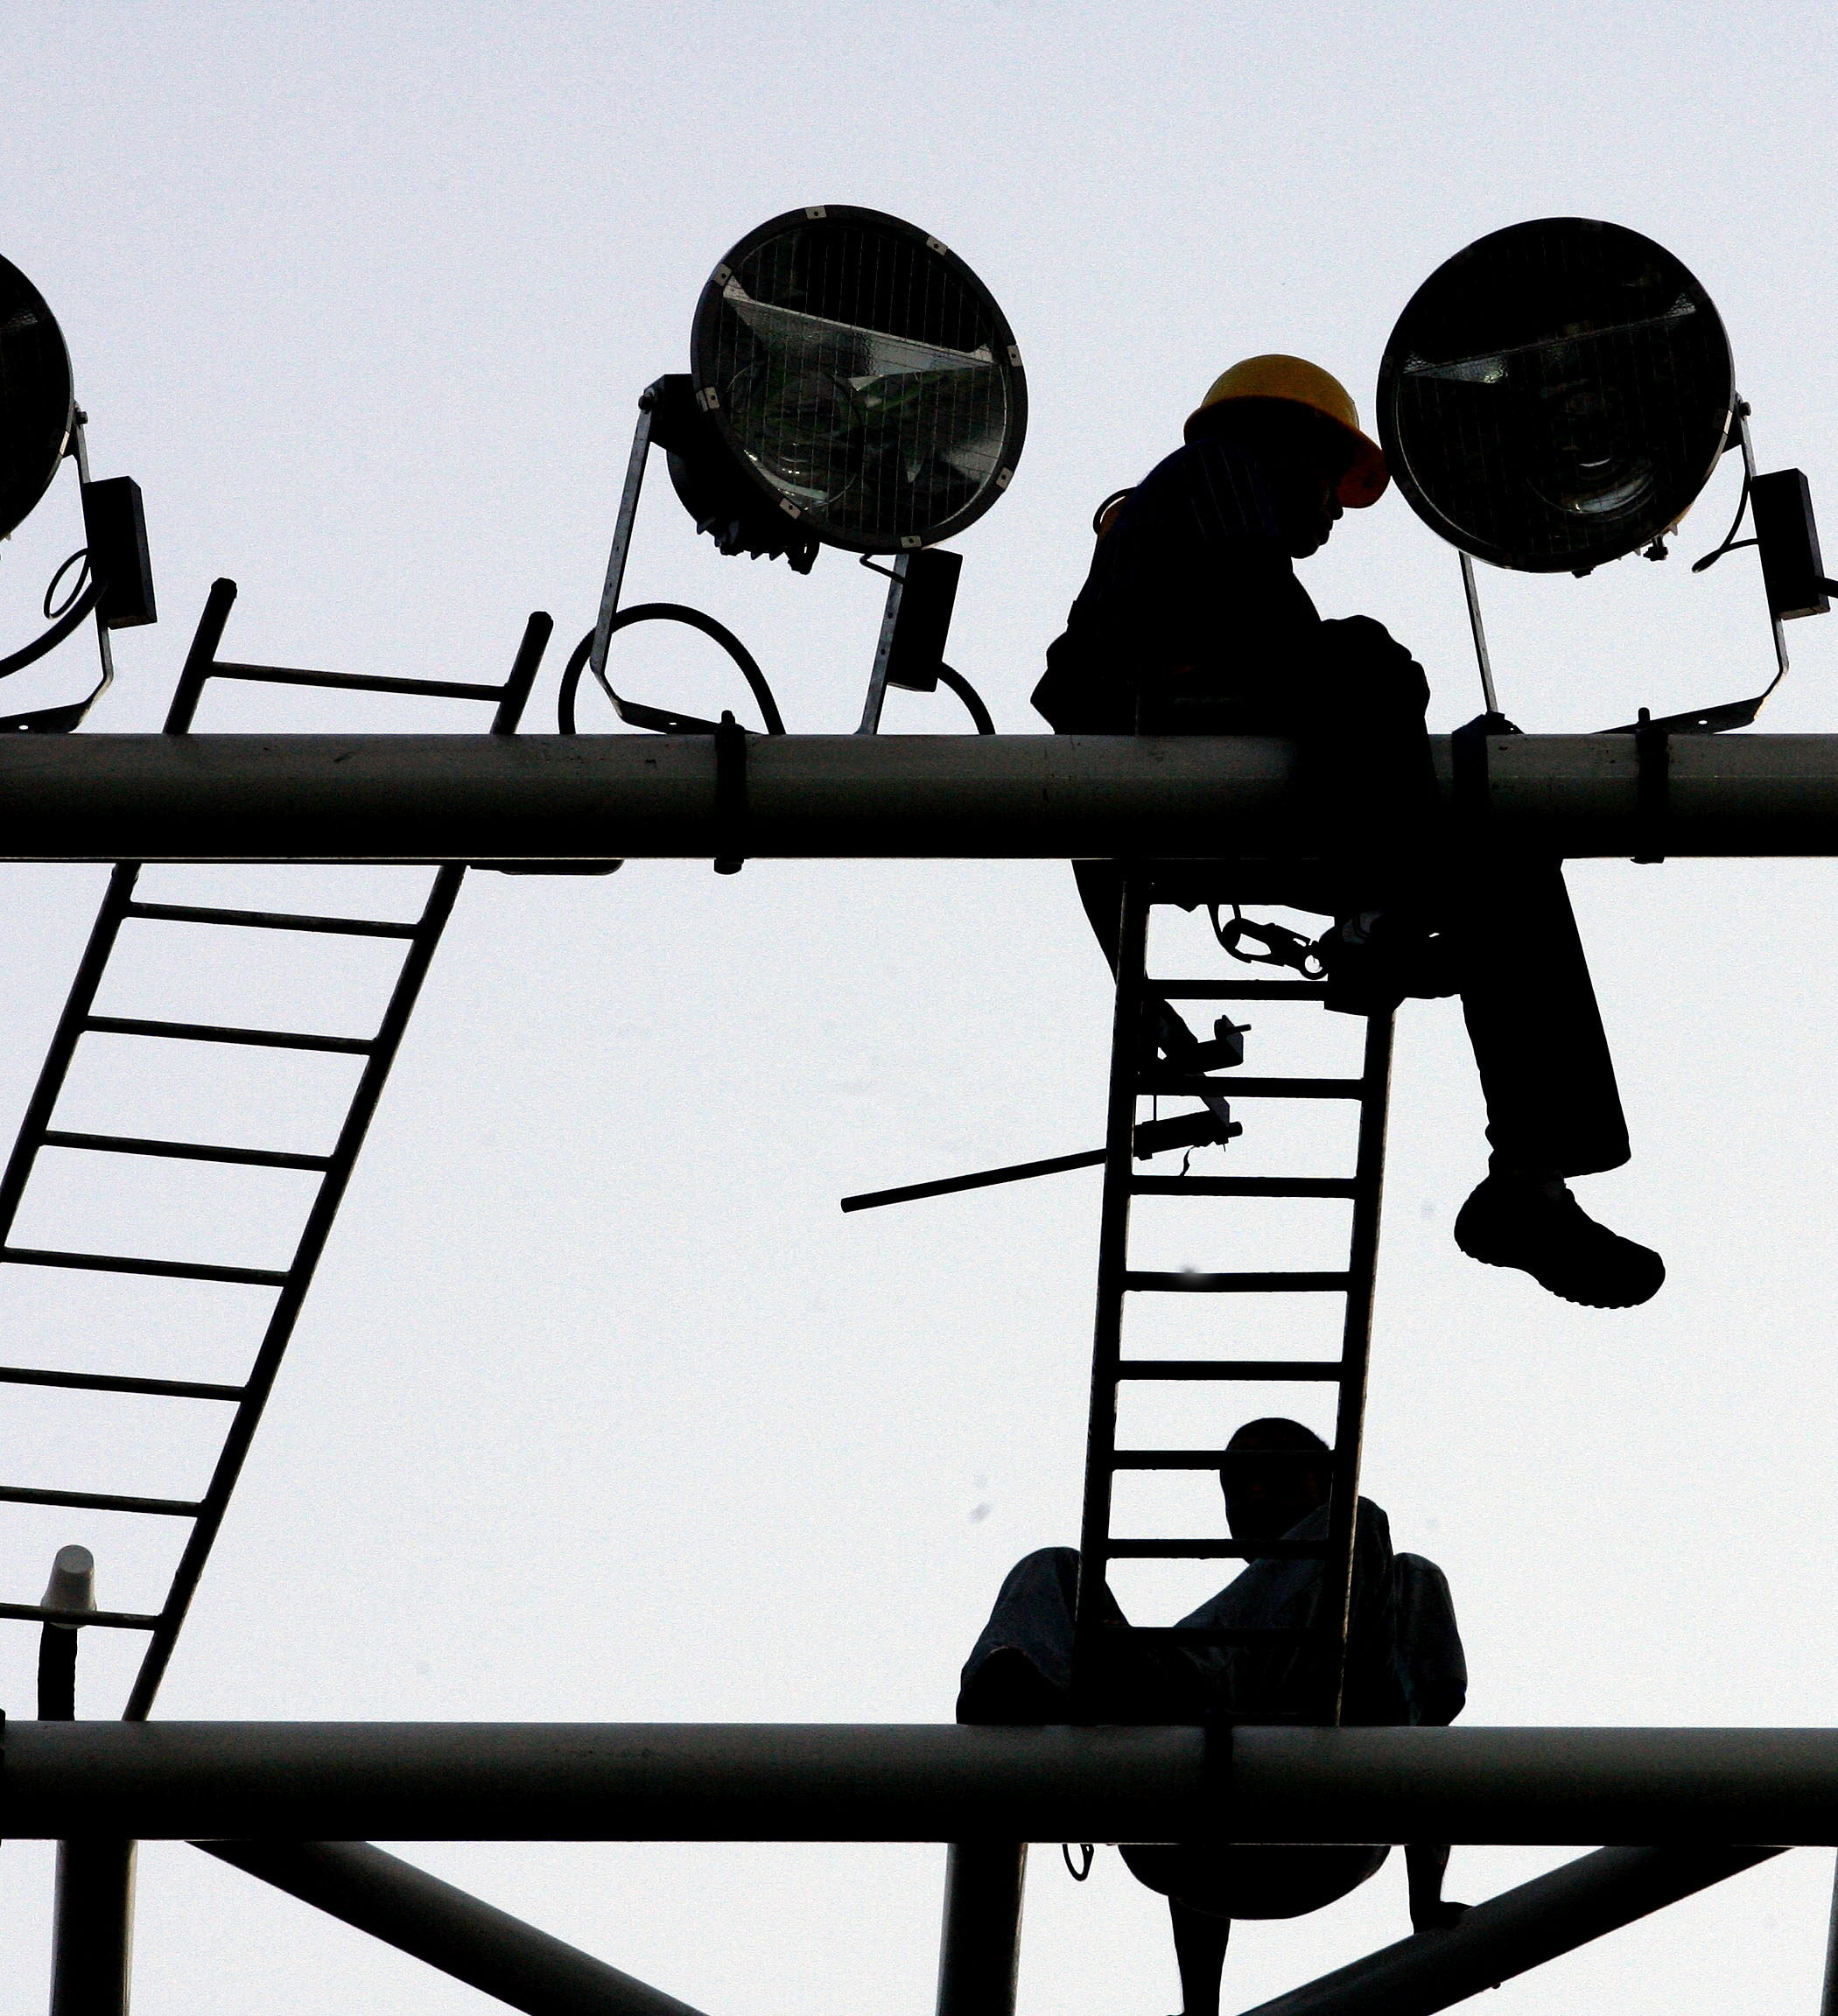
[{"x": 599, "y": 1408}]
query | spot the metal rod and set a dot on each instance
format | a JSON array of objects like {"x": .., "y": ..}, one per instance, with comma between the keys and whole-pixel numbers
[
  {"x": 92, "y": 1946},
  {"x": 1829, "y": 1996},
  {"x": 1479, "y": 632},
  {"x": 414, "y": 799},
  {"x": 1356, "y": 1343},
  {"x": 1774, "y": 622},
  {"x": 449, "y": 1928},
  {"x": 733, "y": 1782},
  {"x": 104, "y": 644},
  {"x": 201, "y": 658},
  {"x": 615, "y": 580},
  {"x": 1520, "y": 1929},
  {"x": 980, "y": 1180},
  {"x": 93, "y": 1918},
  {"x": 979, "y": 1949},
  {"x": 1130, "y": 1022},
  {"x": 877, "y": 694}
]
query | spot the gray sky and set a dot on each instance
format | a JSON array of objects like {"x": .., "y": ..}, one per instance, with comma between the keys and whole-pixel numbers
[{"x": 600, "y": 1409}]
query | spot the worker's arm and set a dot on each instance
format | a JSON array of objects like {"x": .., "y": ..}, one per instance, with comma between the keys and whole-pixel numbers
[{"x": 1425, "y": 1864}]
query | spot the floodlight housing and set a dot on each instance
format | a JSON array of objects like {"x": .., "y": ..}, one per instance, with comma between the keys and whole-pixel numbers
[
  {"x": 38, "y": 405},
  {"x": 1555, "y": 396},
  {"x": 861, "y": 377}
]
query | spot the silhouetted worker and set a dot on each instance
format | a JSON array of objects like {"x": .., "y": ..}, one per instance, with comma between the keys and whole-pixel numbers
[
  {"x": 1405, "y": 1664},
  {"x": 1192, "y": 622}
]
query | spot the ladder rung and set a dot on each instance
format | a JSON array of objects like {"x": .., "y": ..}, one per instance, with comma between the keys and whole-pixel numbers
[
  {"x": 357, "y": 682},
  {"x": 116, "y": 1382},
  {"x": 96, "y": 1501},
  {"x": 102, "y": 1620},
  {"x": 270, "y": 920},
  {"x": 1171, "y": 1459},
  {"x": 1217, "y": 1550},
  {"x": 1174, "y": 1085},
  {"x": 1243, "y": 1187},
  {"x": 1273, "y": 1369},
  {"x": 204, "y": 1033},
  {"x": 1224, "y": 1633},
  {"x": 1233, "y": 990},
  {"x": 120, "y": 1264},
  {"x": 1194, "y": 1283},
  {"x": 181, "y": 1151}
]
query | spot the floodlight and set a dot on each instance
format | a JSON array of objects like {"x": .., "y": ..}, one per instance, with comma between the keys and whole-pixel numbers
[
  {"x": 861, "y": 377},
  {"x": 38, "y": 406},
  {"x": 1555, "y": 396}
]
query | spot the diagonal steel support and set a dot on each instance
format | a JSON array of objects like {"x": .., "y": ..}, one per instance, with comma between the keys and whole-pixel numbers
[
  {"x": 980, "y": 1949},
  {"x": 473, "y": 1940},
  {"x": 1520, "y": 1929}
]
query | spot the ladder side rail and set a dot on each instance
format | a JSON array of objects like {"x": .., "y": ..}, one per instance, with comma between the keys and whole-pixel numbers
[
  {"x": 200, "y": 660},
  {"x": 1356, "y": 1354},
  {"x": 1113, "y": 1241},
  {"x": 513, "y": 695},
  {"x": 71, "y": 1024},
  {"x": 289, "y": 1302}
]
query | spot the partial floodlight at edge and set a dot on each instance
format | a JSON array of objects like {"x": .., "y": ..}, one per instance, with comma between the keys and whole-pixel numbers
[
  {"x": 1555, "y": 396},
  {"x": 37, "y": 402},
  {"x": 862, "y": 376}
]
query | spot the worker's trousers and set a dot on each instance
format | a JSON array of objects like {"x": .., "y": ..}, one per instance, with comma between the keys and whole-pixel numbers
[
  {"x": 1144, "y": 1681},
  {"x": 1552, "y": 1104}
]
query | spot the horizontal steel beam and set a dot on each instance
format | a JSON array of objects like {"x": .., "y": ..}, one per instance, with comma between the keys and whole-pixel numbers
[
  {"x": 475, "y": 1942},
  {"x": 738, "y": 1781},
  {"x": 1517, "y": 1931},
  {"x": 399, "y": 798}
]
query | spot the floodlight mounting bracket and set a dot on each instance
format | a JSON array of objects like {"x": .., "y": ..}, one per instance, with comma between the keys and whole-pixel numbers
[
  {"x": 910, "y": 651},
  {"x": 1730, "y": 714},
  {"x": 92, "y": 598}
]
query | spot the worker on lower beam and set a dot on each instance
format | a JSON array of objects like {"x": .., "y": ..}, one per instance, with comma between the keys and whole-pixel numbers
[
  {"x": 1405, "y": 1664},
  {"x": 1192, "y": 622}
]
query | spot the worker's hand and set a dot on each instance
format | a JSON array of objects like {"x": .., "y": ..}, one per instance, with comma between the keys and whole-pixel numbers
[
  {"x": 1377, "y": 678},
  {"x": 1438, "y": 1916}
]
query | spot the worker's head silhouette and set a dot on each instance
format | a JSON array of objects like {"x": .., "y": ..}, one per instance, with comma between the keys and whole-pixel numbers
[
  {"x": 1302, "y": 427},
  {"x": 1274, "y": 1474}
]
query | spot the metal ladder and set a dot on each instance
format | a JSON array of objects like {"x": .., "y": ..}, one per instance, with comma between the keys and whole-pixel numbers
[
  {"x": 1138, "y": 1070},
  {"x": 418, "y": 938}
]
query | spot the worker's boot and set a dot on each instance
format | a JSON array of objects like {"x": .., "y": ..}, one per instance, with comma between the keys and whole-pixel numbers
[
  {"x": 1375, "y": 958},
  {"x": 1523, "y": 1219}
]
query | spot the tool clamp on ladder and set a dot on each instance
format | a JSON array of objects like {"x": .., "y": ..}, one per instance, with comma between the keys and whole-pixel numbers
[
  {"x": 288, "y": 1286},
  {"x": 1141, "y": 1066}
]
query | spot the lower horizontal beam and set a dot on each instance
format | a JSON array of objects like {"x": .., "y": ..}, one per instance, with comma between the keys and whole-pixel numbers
[
  {"x": 1517, "y": 1931},
  {"x": 449, "y": 1928},
  {"x": 575, "y": 799},
  {"x": 738, "y": 1781}
]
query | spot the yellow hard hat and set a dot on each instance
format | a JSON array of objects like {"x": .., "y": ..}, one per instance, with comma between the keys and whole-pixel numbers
[{"x": 1305, "y": 384}]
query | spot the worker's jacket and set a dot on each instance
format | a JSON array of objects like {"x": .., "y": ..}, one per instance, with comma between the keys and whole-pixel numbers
[
  {"x": 1404, "y": 1662},
  {"x": 1191, "y": 621}
]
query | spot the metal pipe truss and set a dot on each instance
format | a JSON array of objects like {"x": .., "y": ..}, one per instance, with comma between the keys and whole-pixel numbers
[
  {"x": 576, "y": 798},
  {"x": 1517, "y": 1931},
  {"x": 449, "y": 1928},
  {"x": 738, "y": 1781}
]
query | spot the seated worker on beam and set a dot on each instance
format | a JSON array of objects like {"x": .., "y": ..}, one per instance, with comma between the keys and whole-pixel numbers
[
  {"x": 1405, "y": 1664},
  {"x": 1192, "y": 622}
]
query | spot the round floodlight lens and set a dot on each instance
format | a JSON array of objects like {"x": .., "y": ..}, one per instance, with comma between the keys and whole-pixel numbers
[
  {"x": 36, "y": 402},
  {"x": 863, "y": 376},
  {"x": 1555, "y": 396}
]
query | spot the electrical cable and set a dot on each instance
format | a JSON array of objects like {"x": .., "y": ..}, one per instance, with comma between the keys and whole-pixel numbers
[
  {"x": 656, "y": 718},
  {"x": 74, "y": 612},
  {"x": 972, "y": 700},
  {"x": 51, "y": 614},
  {"x": 1731, "y": 541}
]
